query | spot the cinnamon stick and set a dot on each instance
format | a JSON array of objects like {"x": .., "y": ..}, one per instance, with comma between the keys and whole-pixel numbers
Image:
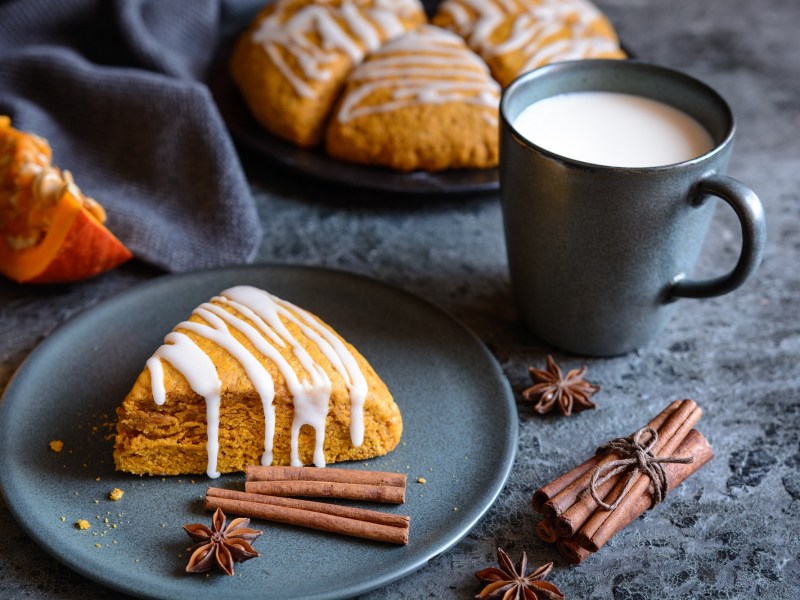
[
  {"x": 259, "y": 473},
  {"x": 548, "y": 491},
  {"x": 362, "y": 514},
  {"x": 572, "y": 551},
  {"x": 546, "y": 531},
  {"x": 576, "y": 481},
  {"x": 329, "y": 489},
  {"x": 671, "y": 432},
  {"x": 353, "y": 522},
  {"x": 603, "y": 525}
]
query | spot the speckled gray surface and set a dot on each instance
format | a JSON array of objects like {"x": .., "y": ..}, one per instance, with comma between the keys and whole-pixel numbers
[{"x": 731, "y": 530}]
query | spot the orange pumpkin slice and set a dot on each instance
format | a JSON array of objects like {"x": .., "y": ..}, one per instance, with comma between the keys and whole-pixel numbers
[{"x": 49, "y": 231}]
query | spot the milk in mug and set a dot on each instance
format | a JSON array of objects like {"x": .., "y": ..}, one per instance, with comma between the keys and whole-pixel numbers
[{"x": 613, "y": 129}]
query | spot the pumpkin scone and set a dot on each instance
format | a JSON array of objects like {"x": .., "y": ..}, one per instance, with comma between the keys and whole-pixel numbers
[
  {"x": 517, "y": 36},
  {"x": 50, "y": 232},
  {"x": 247, "y": 379},
  {"x": 291, "y": 63},
  {"x": 422, "y": 101}
]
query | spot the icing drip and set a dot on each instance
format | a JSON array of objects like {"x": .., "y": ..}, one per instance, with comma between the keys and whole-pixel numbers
[
  {"x": 343, "y": 361},
  {"x": 182, "y": 353},
  {"x": 262, "y": 320},
  {"x": 426, "y": 66},
  {"x": 352, "y": 28}
]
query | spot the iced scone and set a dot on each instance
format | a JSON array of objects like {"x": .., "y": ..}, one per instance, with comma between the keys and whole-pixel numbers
[
  {"x": 252, "y": 379},
  {"x": 422, "y": 101},
  {"x": 291, "y": 63},
  {"x": 517, "y": 36}
]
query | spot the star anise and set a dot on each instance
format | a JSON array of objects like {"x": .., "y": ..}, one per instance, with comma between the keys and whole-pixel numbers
[
  {"x": 220, "y": 545},
  {"x": 552, "y": 389},
  {"x": 514, "y": 584}
]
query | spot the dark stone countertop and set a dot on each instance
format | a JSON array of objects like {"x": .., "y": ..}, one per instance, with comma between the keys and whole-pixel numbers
[{"x": 728, "y": 532}]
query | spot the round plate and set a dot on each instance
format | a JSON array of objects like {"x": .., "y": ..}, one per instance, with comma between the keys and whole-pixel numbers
[
  {"x": 248, "y": 133},
  {"x": 460, "y": 434}
]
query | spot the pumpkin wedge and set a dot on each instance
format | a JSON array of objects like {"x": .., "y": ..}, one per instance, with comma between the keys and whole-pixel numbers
[{"x": 49, "y": 231}]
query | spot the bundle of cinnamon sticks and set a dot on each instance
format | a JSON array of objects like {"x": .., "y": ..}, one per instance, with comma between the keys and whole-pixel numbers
[
  {"x": 578, "y": 525},
  {"x": 267, "y": 491}
]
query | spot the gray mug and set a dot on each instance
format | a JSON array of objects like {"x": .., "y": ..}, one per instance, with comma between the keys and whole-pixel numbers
[{"x": 598, "y": 254}]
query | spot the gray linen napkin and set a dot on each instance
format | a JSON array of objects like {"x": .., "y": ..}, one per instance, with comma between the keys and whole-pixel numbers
[{"x": 115, "y": 86}]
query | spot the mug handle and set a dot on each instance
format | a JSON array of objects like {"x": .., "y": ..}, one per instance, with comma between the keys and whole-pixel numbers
[{"x": 748, "y": 208}]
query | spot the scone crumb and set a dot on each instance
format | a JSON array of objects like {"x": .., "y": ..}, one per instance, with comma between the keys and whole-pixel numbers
[
  {"x": 56, "y": 445},
  {"x": 82, "y": 524},
  {"x": 115, "y": 494},
  {"x": 421, "y": 480}
]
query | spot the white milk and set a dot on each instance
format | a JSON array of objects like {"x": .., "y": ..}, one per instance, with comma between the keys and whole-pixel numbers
[{"x": 608, "y": 128}]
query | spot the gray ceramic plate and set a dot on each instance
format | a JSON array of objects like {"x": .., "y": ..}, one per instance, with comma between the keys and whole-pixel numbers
[{"x": 460, "y": 435}]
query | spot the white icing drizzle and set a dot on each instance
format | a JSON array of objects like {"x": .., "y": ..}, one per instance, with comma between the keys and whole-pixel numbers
[
  {"x": 534, "y": 25},
  {"x": 361, "y": 26},
  {"x": 459, "y": 14},
  {"x": 488, "y": 15},
  {"x": 526, "y": 32},
  {"x": 351, "y": 27},
  {"x": 342, "y": 360},
  {"x": 569, "y": 50},
  {"x": 261, "y": 319},
  {"x": 182, "y": 353},
  {"x": 425, "y": 66}
]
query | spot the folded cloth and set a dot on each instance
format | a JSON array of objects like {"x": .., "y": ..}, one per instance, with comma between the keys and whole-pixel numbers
[{"x": 116, "y": 88}]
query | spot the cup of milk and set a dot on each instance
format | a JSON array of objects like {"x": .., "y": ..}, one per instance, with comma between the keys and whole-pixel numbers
[{"x": 609, "y": 171}]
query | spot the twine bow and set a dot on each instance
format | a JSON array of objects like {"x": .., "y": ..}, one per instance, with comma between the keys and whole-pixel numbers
[{"x": 636, "y": 458}]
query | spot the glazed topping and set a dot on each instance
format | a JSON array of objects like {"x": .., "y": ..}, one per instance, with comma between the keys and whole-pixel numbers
[
  {"x": 581, "y": 43},
  {"x": 262, "y": 319},
  {"x": 182, "y": 353},
  {"x": 352, "y": 28},
  {"x": 476, "y": 20},
  {"x": 534, "y": 28},
  {"x": 425, "y": 66}
]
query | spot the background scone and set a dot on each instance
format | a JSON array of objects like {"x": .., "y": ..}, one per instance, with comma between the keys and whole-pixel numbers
[
  {"x": 422, "y": 101},
  {"x": 517, "y": 36},
  {"x": 291, "y": 63},
  {"x": 252, "y": 379}
]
